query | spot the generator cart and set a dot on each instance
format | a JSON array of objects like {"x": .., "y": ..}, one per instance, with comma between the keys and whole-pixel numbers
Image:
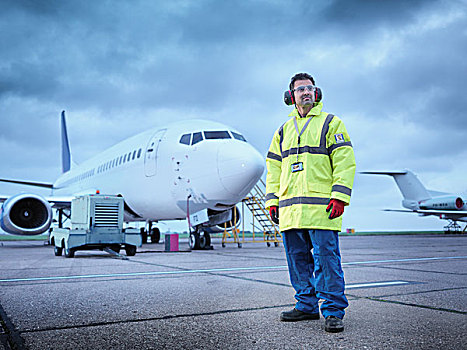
[{"x": 96, "y": 223}]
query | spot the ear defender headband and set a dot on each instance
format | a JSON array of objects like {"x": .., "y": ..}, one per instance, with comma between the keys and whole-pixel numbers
[{"x": 289, "y": 98}]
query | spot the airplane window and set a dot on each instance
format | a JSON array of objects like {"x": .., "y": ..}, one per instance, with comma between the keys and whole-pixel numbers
[
  {"x": 134, "y": 155},
  {"x": 185, "y": 139},
  {"x": 139, "y": 153},
  {"x": 124, "y": 158},
  {"x": 238, "y": 136},
  {"x": 129, "y": 155},
  {"x": 197, "y": 137},
  {"x": 120, "y": 160},
  {"x": 216, "y": 135}
]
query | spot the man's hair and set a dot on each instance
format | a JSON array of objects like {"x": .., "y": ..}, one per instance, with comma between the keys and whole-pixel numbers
[{"x": 300, "y": 76}]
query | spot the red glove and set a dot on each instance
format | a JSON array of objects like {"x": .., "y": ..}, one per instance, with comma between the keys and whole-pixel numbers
[
  {"x": 274, "y": 213},
  {"x": 336, "y": 207}
]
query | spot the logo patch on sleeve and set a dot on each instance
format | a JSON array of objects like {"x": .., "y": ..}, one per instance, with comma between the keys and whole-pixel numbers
[{"x": 339, "y": 138}]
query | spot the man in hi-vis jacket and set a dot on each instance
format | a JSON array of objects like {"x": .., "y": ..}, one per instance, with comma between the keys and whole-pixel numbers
[{"x": 311, "y": 168}]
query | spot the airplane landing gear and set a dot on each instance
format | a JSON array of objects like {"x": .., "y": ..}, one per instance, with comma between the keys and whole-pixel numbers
[
  {"x": 193, "y": 240},
  {"x": 199, "y": 240},
  {"x": 453, "y": 227},
  {"x": 144, "y": 235},
  {"x": 154, "y": 233}
]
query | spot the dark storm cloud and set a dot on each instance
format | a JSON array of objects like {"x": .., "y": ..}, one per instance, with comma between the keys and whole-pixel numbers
[
  {"x": 119, "y": 54},
  {"x": 115, "y": 47},
  {"x": 368, "y": 12}
]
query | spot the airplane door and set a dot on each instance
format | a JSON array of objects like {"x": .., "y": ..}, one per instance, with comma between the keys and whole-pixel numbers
[{"x": 150, "y": 156}]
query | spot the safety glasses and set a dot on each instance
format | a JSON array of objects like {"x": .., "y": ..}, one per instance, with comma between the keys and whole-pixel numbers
[{"x": 302, "y": 88}]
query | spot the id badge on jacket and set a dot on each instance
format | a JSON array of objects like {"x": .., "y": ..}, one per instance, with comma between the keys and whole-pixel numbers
[{"x": 295, "y": 167}]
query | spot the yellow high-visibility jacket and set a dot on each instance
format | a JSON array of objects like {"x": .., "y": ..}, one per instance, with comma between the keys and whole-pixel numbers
[{"x": 328, "y": 162}]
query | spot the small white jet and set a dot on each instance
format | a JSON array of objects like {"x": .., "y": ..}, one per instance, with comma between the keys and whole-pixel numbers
[
  {"x": 165, "y": 173},
  {"x": 426, "y": 202}
]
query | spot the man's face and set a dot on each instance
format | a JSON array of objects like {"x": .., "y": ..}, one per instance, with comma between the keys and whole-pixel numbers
[{"x": 303, "y": 95}]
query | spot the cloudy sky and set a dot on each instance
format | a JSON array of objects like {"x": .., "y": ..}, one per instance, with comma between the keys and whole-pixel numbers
[{"x": 394, "y": 71}]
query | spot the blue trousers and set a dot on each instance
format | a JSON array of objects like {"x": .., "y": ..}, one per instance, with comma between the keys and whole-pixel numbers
[{"x": 316, "y": 275}]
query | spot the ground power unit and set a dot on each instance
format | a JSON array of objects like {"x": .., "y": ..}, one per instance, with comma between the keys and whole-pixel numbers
[{"x": 96, "y": 223}]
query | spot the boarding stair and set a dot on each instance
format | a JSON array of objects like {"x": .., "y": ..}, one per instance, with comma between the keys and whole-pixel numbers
[{"x": 261, "y": 221}]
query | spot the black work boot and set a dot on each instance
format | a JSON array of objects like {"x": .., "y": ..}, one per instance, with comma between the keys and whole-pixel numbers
[
  {"x": 297, "y": 315},
  {"x": 333, "y": 324}
]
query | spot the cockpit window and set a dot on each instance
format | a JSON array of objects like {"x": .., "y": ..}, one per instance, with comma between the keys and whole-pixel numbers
[
  {"x": 185, "y": 139},
  {"x": 209, "y": 135},
  {"x": 197, "y": 137},
  {"x": 238, "y": 136}
]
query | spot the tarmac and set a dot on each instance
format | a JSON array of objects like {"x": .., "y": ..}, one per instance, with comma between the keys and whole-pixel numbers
[{"x": 405, "y": 292}]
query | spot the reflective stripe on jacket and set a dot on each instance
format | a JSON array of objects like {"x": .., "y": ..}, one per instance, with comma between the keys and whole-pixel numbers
[{"x": 328, "y": 161}]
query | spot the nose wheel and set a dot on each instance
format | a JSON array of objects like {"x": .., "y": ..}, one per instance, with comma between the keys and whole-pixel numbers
[{"x": 199, "y": 240}]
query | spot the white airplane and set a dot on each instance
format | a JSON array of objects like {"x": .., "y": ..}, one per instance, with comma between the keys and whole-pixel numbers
[
  {"x": 163, "y": 173},
  {"x": 426, "y": 202}
]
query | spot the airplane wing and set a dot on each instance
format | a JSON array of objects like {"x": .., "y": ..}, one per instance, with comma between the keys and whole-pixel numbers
[
  {"x": 460, "y": 215},
  {"x": 56, "y": 202},
  {"x": 28, "y": 183},
  {"x": 60, "y": 202},
  {"x": 3, "y": 198}
]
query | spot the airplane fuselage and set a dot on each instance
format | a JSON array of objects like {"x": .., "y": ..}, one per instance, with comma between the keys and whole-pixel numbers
[{"x": 160, "y": 177}]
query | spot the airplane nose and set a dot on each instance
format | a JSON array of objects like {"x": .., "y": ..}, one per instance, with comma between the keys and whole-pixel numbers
[{"x": 239, "y": 166}]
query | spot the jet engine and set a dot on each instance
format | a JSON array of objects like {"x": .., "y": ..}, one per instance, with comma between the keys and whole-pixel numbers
[
  {"x": 446, "y": 203},
  {"x": 25, "y": 214}
]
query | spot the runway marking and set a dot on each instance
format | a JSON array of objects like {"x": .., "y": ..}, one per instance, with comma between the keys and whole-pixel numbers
[
  {"x": 402, "y": 260},
  {"x": 230, "y": 269},
  {"x": 375, "y": 284}
]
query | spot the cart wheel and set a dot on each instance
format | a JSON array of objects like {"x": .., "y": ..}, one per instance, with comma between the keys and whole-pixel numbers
[
  {"x": 130, "y": 250},
  {"x": 276, "y": 244},
  {"x": 58, "y": 251},
  {"x": 268, "y": 244},
  {"x": 223, "y": 245},
  {"x": 239, "y": 245},
  {"x": 69, "y": 253}
]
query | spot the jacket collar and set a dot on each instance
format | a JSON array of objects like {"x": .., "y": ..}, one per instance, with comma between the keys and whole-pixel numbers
[{"x": 316, "y": 110}]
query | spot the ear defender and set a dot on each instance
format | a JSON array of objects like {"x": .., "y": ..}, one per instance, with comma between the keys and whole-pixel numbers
[
  {"x": 289, "y": 97},
  {"x": 318, "y": 95}
]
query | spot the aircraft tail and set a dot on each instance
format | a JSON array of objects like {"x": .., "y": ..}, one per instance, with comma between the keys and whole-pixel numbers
[
  {"x": 66, "y": 153},
  {"x": 410, "y": 186}
]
